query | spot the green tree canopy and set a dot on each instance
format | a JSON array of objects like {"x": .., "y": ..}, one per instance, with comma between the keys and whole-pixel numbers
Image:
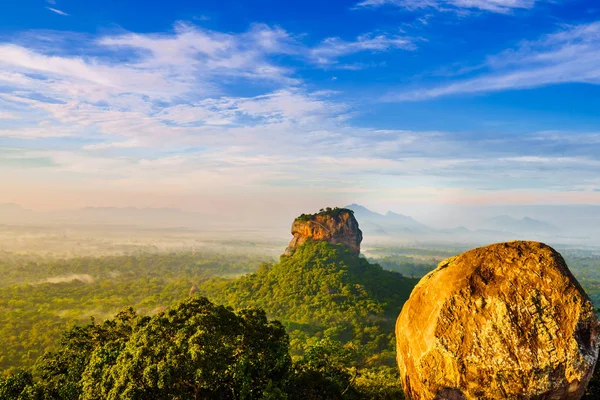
[{"x": 194, "y": 350}]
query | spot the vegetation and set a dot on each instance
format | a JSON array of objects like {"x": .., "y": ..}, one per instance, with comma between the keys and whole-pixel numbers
[
  {"x": 194, "y": 350},
  {"x": 331, "y": 212},
  {"x": 323, "y": 292},
  {"x": 585, "y": 265},
  {"x": 42, "y": 297},
  {"x": 406, "y": 265},
  {"x": 339, "y": 310},
  {"x": 335, "y": 338}
]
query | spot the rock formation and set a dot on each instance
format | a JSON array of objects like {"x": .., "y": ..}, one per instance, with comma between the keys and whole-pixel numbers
[
  {"x": 194, "y": 291},
  {"x": 506, "y": 321},
  {"x": 336, "y": 226}
]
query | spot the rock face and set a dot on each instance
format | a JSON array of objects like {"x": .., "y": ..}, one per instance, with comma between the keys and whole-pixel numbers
[
  {"x": 337, "y": 226},
  {"x": 506, "y": 321}
]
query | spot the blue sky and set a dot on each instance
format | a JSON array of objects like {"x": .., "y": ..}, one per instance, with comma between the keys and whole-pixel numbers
[{"x": 273, "y": 104}]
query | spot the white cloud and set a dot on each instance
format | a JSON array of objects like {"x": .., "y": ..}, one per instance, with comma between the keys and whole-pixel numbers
[
  {"x": 202, "y": 53},
  {"x": 331, "y": 49},
  {"x": 160, "y": 118},
  {"x": 127, "y": 144},
  {"x": 571, "y": 55},
  {"x": 497, "y": 6},
  {"x": 7, "y": 115},
  {"x": 189, "y": 64},
  {"x": 40, "y": 131},
  {"x": 59, "y": 12}
]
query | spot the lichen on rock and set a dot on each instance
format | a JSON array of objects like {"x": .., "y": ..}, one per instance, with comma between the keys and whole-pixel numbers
[
  {"x": 335, "y": 226},
  {"x": 506, "y": 321}
]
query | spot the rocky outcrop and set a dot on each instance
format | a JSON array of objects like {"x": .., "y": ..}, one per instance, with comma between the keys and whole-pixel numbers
[
  {"x": 194, "y": 291},
  {"x": 336, "y": 226},
  {"x": 506, "y": 321}
]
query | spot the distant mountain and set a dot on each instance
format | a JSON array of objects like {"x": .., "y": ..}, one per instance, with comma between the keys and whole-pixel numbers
[
  {"x": 10, "y": 207},
  {"x": 372, "y": 228},
  {"x": 478, "y": 231},
  {"x": 457, "y": 230},
  {"x": 392, "y": 223},
  {"x": 11, "y": 213},
  {"x": 525, "y": 225}
]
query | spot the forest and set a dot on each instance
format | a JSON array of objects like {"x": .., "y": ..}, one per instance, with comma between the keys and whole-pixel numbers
[
  {"x": 73, "y": 326},
  {"x": 40, "y": 297}
]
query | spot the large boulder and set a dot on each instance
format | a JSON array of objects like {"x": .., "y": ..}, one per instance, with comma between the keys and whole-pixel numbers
[
  {"x": 335, "y": 226},
  {"x": 506, "y": 321}
]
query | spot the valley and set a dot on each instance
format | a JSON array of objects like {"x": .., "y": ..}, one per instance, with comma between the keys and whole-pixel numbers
[{"x": 323, "y": 294}]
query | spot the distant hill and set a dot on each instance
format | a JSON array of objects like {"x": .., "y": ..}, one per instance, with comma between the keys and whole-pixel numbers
[
  {"x": 10, "y": 207},
  {"x": 11, "y": 213},
  {"x": 524, "y": 225},
  {"x": 390, "y": 223},
  {"x": 478, "y": 230},
  {"x": 457, "y": 230}
]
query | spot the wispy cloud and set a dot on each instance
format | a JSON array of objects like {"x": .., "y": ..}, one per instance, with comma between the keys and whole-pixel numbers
[
  {"x": 190, "y": 63},
  {"x": 571, "y": 55},
  {"x": 497, "y": 6},
  {"x": 7, "y": 115},
  {"x": 333, "y": 48},
  {"x": 164, "y": 113},
  {"x": 57, "y": 11},
  {"x": 127, "y": 144}
]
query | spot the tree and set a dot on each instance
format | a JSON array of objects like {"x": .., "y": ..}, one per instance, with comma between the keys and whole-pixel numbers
[
  {"x": 61, "y": 371},
  {"x": 195, "y": 350},
  {"x": 19, "y": 386},
  {"x": 326, "y": 371}
]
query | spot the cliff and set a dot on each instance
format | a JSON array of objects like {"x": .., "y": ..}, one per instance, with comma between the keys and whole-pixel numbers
[
  {"x": 506, "y": 321},
  {"x": 335, "y": 226}
]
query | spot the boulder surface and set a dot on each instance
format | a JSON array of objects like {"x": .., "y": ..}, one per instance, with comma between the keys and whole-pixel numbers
[
  {"x": 336, "y": 226},
  {"x": 506, "y": 321}
]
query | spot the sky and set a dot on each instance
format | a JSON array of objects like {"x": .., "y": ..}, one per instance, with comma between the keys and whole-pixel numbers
[{"x": 267, "y": 105}]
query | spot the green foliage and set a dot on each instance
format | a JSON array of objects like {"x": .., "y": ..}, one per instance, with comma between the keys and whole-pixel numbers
[
  {"x": 42, "y": 297},
  {"x": 339, "y": 311},
  {"x": 19, "y": 386},
  {"x": 323, "y": 292},
  {"x": 407, "y": 266},
  {"x": 61, "y": 370},
  {"x": 331, "y": 212},
  {"x": 585, "y": 265},
  {"x": 194, "y": 350},
  {"x": 326, "y": 371}
]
